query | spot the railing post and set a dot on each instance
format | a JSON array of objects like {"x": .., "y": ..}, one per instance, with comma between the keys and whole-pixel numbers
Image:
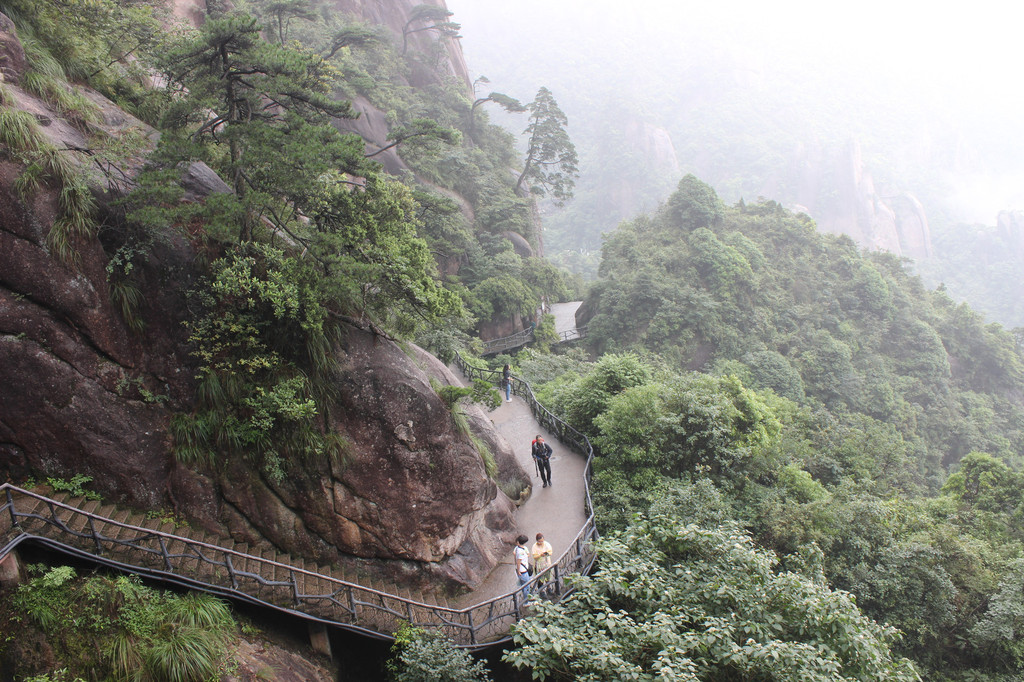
[
  {"x": 95, "y": 536},
  {"x": 10, "y": 508},
  {"x": 231, "y": 569},
  {"x": 164, "y": 555},
  {"x": 472, "y": 628}
]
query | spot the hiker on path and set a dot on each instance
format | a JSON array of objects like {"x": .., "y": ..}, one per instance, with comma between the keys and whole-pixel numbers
[
  {"x": 506, "y": 382},
  {"x": 541, "y": 555},
  {"x": 521, "y": 558},
  {"x": 542, "y": 456}
]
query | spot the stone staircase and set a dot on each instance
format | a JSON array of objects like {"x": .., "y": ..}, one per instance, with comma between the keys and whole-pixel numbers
[{"x": 338, "y": 593}]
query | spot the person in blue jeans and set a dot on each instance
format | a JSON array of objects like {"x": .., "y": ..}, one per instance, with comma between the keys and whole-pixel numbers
[
  {"x": 506, "y": 382},
  {"x": 521, "y": 557}
]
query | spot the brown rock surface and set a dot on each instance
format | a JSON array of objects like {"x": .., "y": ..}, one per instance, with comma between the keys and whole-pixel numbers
[
  {"x": 12, "y": 54},
  {"x": 83, "y": 394}
]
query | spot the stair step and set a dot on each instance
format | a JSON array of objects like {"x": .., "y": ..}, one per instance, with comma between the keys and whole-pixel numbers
[
  {"x": 80, "y": 522},
  {"x": 114, "y": 528},
  {"x": 90, "y": 506},
  {"x": 30, "y": 505},
  {"x": 105, "y": 511}
]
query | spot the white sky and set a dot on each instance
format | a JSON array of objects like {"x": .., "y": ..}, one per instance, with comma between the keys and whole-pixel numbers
[{"x": 964, "y": 60}]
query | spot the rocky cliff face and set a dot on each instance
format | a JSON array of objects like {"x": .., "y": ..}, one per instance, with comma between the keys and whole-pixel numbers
[
  {"x": 393, "y": 15},
  {"x": 1010, "y": 228},
  {"x": 896, "y": 224},
  {"x": 84, "y": 394},
  {"x": 429, "y": 65}
]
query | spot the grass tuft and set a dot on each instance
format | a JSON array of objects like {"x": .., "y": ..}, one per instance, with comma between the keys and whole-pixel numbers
[
  {"x": 128, "y": 299},
  {"x": 20, "y": 133},
  {"x": 202, "y": 611},
  {"x": 183, "y": 655},
  {"x": 192, "y": 436}
]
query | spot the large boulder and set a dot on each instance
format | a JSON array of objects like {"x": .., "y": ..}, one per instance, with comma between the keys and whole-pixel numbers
[
  {"x": 83, "y": 393},
  {"x": 410, "y": 488},
  {"x": 12, "y": 53}
]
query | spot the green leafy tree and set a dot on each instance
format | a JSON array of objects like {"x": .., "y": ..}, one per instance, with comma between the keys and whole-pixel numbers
[
  {"x": 281, "y": 13},
  {"x": 998, "y": 633},
  {"x": 694, "y": 204},
  {"x": 235, "y": 90},
  {"x": 682, "y": 424},
  {"x": 685, "y": 602},
  {"x": 550, "y": 164},
  {"x": 421, "y": 127},
  {"x": 421, "y": 656},
  {"x": 582, "y": 399},
  {"x": 509, "y": 104},
  {"x": 985, "y": 483},
  {"x": 352, "y": 35},
  {"x": 429, "y": 18}
]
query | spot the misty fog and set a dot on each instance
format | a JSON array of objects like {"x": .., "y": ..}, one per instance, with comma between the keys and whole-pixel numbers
[{"x": 774, "y": 100}]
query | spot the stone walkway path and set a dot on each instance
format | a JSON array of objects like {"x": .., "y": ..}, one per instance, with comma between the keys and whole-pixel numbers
[
  {"x": 565, "y": 315},
  {"x": 557, "y": 511}
]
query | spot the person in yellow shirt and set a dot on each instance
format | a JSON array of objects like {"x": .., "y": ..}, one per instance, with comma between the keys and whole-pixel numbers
[{"x": 541, "y": 555}]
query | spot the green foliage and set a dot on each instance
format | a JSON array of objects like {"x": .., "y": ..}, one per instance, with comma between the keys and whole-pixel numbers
[
  {"x": 421, "y": 656},
  {"x": 44, "y": 598},
  {"x": 262, "y": 344},
  {"x": 694, "y": 204},
  {"x": 755, "y": 291},
  {"x": 545, "y": 335},
  {"x": 374, "y": 263},
  {"x": 480, "y": 392},
  {"x": 983, "y": 483},
  {"x": 502, "y": 297},
  {"x": 581, "y": 399},
  {"x": 998, "y": 632},
  {"x": 25, "y": 143},
  {"x": 75, "y": 487},
  {"x": 429, "y": 18},
  {"x": 124, "y": 630},
  {"x": 551, "y": 161},
  {"x": 680, "y": 601},
  {"x": 104, "y": 43},
  {"x": 424, "y": 130},
  {"x": 690, "y": 423}
]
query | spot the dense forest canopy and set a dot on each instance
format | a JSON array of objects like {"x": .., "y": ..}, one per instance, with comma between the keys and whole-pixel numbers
[{"x": 865, "y": 429}]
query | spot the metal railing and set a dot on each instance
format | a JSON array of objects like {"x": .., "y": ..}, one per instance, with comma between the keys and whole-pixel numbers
[
  {"x": 565, "y": 433},
  {"x": 523, "y": 337},
  {"x": 572, "y": 334},
  {"x": 520, "y": 338},
  {"x": 26, "y": 516}
]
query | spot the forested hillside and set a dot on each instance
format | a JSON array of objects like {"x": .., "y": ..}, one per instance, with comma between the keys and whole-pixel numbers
[
  {"x": 216, "y": 280},
  {"x": 867, "y": 431}
]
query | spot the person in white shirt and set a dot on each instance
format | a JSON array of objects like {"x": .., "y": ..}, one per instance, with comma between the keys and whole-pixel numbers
[{"x": 522, "y": 564}]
